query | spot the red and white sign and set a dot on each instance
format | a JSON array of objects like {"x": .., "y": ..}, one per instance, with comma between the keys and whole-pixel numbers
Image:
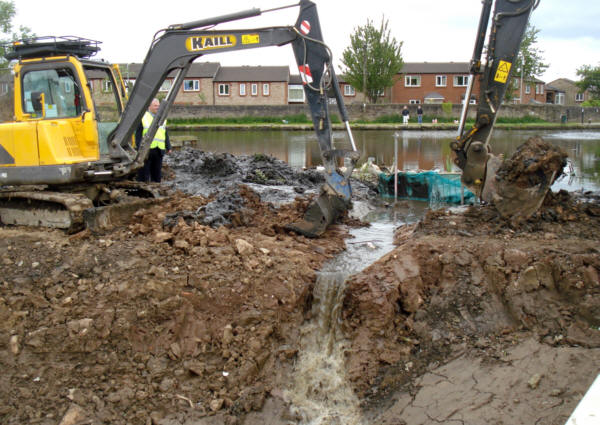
[
  {"x": 305, "y": 27},
  {"x": 305, "y": 74}
]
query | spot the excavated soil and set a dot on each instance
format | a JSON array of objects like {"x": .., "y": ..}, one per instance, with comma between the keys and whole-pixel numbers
[{"x": 191, "y": 313}]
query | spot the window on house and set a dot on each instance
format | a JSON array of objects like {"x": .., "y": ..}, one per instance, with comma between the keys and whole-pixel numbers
[
  {"x": 254, "y": 89},
  {"x": 295, "y": 93},
  {"x": 440, "y": 81},
  {"x": 461, "y": 80},
  {"x": 527, "y": 89},
  {"x": 191, "y": 85},
  {"x": 266, "y": 89},
  {"x": 559, "y": 99},
  {"x": 106, "y": 86},
  {"x": 537, "y": 89},
  {"x": 414, "y": 101},
  {"x": 579, "y": 97},
  {"x": 412, "y": 81},
  {"x": 223, "y": 89},
  {"x": 349, "y": 90},
  {"x": 242, "y": 89},
  {"x": 166, "y": 85}
]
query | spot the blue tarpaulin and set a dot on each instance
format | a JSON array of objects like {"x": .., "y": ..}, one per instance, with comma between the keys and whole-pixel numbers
[{"x": 426, "y": 186}]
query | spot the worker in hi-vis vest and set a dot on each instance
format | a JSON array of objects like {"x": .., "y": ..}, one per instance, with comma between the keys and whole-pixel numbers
[{"x": 152, "y": 170}]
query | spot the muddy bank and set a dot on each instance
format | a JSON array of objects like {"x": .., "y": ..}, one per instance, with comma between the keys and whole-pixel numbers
[
  {"x": 191, "y": 313},
  {"x": 466, "y": 287}
]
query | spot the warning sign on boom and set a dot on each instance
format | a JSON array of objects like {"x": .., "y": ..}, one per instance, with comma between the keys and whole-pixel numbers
[{"x": 502, "y": 72}]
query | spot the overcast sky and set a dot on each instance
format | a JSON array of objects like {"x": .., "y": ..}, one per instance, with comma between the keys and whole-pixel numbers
[{"x": 431, "y": 30}]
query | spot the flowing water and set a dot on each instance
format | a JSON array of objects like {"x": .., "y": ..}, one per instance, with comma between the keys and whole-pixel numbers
[{"x": 319, "y": 392}]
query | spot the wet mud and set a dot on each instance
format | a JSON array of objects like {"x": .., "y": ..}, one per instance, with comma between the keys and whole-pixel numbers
[{"x": 196, "y": 312}]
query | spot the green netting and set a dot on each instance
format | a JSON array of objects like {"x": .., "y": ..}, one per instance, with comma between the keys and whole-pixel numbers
[{"x": 426, "y": 186}]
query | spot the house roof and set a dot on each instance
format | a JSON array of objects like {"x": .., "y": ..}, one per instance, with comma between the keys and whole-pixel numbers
[
  {"x": 435, "y": 68},
  {"x": 253, "y": 73},
  {"x": 552, "y": 88},
  {"x": 197, "y": 70},
  {"x": 295, "y": 79}
]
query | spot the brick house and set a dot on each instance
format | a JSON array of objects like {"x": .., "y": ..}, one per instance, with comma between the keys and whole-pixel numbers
[
  {"x": 432, "y": 82},
  {"x": 245, "y": 85},
  {"x": 568, "y": 93},
  {"x": 533, "y": 91}
]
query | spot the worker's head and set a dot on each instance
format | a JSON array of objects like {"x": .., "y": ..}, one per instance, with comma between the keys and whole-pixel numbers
[{"x": 153, "y": 108}]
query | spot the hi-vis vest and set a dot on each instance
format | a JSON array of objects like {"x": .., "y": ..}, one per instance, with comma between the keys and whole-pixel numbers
[{"x": 160, "y": 137}]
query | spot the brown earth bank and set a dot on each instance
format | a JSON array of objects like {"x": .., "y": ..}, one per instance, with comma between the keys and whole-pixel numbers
[{"x": 171, "y": 321}]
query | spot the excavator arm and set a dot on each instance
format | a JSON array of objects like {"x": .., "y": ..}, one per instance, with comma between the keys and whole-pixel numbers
[
  {"x": 176, "y": 47},
  {"x": 472, "y": 148}
]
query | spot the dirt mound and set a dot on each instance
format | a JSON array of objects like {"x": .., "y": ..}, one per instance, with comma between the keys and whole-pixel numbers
[
  {"x": 467, "y": 282},
  {"x": 149, "y": 320},
  {"x": 534, "y": 162}
]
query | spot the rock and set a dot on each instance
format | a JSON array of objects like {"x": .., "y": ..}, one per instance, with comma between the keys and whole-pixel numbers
[
  {"x": 216, "y": 404},
  {"x": 242, "y": 247},
  {"x": 182, "y": 244},
  {"x": 227, "y": 335},
  {"x": 534, "y": 381},
  {"x": 515, "y": 259},
  {"x": 14, "y": 344},
  {"x": 162, "y": 236},
  {"x": 528, "y": 280},
  {"x": 75, "y": 415}
]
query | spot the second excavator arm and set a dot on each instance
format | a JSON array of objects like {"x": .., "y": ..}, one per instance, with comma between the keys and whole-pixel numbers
[
  {"x": 179, "y": 45},
  {"x": 472, "y": 149}
]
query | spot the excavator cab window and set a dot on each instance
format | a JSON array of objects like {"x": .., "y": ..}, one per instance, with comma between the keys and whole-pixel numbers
[
  {"x": 61, "y": 93},
  {"x": 107, "y": 102}
]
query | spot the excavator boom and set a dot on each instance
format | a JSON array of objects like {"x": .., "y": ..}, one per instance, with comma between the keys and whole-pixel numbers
[{"x": 509, "y": 20}]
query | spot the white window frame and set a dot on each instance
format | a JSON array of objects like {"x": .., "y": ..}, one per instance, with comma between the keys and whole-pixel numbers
[
  {"x": 414, "y": 101},
  {"x": 254, "y": 89},
  {"x": 412, "y": 81},
  {"x": 465, "y": 80},
  {"x": 349, "y": 90},
  {"x": 194, "y": 83},
  {"x": 106, "y": 86},
  {"x": 266, "y": 89},
  {"x": 242, "y": 89},
  {"x": 527, "y": 89},
  {"x": 579, "y": 97},
  {"x": 559, "y": 99},
  {"x": 537, "y": 89},
  {"x": 296, "y": 88},
  {"x": 224, "y": 89},
  {"x": 165, "y": 86},
  {"x": 441, "y": 80}
]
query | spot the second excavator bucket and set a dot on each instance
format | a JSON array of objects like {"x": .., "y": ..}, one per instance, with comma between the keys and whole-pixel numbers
[{"x": 518, "y": 186}]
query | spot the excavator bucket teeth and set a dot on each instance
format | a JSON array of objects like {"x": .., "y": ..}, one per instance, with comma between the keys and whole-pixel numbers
[
  {"x": 320, "y": 214},
  {"x": 518, "y": 186}
]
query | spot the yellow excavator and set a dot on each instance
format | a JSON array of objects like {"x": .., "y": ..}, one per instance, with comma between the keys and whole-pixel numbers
[{"x": 66, "y": 153}]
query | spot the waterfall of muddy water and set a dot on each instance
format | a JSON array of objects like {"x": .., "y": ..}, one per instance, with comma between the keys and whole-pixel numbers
[{"x": 319, "y": 393}]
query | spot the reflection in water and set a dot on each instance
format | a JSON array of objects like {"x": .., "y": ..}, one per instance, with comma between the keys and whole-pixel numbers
[{"x": 417, "y": 150}]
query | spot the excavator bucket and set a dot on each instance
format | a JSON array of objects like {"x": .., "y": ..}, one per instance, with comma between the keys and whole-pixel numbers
[
  {"x": 518, "y": 186},
  {"x": 320, "y": 214}
]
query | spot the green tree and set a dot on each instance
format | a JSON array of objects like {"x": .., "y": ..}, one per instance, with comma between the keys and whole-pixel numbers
[
  {"x": 372, "y": 60},
  {"x": 529, "y": 62},
  {"x": 589, "y": 80},
  {"x": 7, "y": 33}
]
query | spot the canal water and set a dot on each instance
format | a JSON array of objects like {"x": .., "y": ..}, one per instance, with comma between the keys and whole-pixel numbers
[{"x": 417, "y": 150}]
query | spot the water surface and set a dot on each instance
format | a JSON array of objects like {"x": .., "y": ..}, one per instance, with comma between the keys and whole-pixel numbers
[{"x": 417, "y": 150}]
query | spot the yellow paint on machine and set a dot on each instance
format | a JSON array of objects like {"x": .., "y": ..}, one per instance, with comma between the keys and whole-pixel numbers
[
  {"x": 250, "y": 39},
  {"x": 502, "y": 72},
  {"x": 204, "y": 42}
]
